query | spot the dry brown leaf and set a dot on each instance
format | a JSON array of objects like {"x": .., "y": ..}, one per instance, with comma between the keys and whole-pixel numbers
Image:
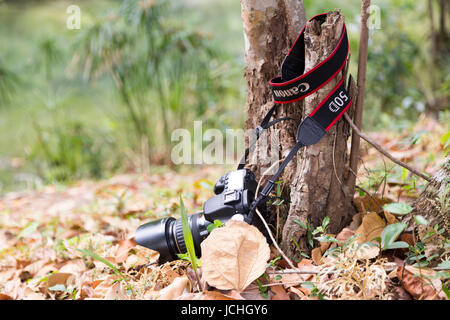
[
  {"x": 34, "y": 296},
  {"x": 174, "y": 290},
  {"x": 305, "y": 263},
  {"x": 356, "y": 221},
  {"x": 103, "y": 287},
  {"x": 35, "y": 267},
  {"x": 234, "y": 256},
  {"x": 116, "y": 292},
  {"x": 252, "y": 292},
  {"x": 371, "y": 227},
  {"x": 205, "y": 295},
  {"x": 368, "y": 204},
  {"x": 73, "y": 266},
  {"x": 366, "y": 252},
  {"x": 142, "y": 256},
  {"x": 293, "y": 279},
  {"x": 345, "y": 234},
  {"x": 316, "y": 255},
  {"x": 427, "y": 287},
  {"x": 5, "y": 297},
  {"x": 408, "y": 238},
  {"x": 324, "y": 246},
  {"x": 86, "y": 290},
  {"x": 60, "y": 278},
  {"x": 279, "y": 293},
  {"x": 302, "y": 293},
  {"x": 390, "y": 218},
  {"x": 401, "y": 294},
  {"x": 123, "y": 249}
]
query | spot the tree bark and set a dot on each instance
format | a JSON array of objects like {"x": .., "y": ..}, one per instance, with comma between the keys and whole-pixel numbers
[
  {"x": 270, "y": 29},
  {"x": 317, "y": 178},
  {"x": 319, "y": 188},
  {"x": 433, "y": 203}
]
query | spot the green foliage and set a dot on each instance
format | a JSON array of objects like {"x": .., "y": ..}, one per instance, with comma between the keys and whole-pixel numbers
[
  {"x": 446, "y": 143},
  {"x": 315, "y": 292},
  {"x": 8, "y": 84},
  {"x": 29, "y": 229},
  {"x": 398, "y": 208},
  {"x": 216, "y": 224},
  {"x": 311, "y": 231},
  {"x": 390, "y": 234},
  {"x": 155, "y": 65},
  {"x": 95, "y": 256},
  {"x": 188, "y": 240},
  {"x": 71, "y": 151}
]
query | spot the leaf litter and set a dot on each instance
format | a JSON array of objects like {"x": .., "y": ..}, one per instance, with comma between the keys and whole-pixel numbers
[{"x": 76, "y": 243}]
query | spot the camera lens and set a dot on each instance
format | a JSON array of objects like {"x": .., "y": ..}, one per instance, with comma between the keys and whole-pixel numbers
[
  {"x": 156, "y": 235},
  {"x": 166, "y": 236}
]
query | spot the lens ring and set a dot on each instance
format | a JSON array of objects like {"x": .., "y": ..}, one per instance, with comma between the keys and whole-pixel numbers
[{"x": 179, "y": 237}]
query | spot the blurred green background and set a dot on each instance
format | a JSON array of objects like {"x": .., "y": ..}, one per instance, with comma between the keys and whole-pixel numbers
[{"x": 104, "y": 99}]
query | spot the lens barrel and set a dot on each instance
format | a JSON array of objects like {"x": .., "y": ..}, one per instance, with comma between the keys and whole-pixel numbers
[
  {"x": 156, "y": 235},
  {"x": 166, "y": 236}
]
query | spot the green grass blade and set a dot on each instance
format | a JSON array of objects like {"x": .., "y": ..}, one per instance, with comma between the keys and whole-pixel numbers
[{"x": 188, "y": 235}]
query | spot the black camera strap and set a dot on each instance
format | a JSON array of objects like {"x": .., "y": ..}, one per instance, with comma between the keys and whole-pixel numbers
[{"x": 294, "y": 85}]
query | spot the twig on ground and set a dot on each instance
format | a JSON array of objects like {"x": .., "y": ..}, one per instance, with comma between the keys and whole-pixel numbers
[{"x": 383, "y": 151}]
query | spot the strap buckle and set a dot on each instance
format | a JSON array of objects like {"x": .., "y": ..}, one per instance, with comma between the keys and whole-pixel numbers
[{"x": 258, "y": 131}]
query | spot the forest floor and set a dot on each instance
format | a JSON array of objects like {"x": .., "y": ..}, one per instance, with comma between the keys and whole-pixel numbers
[{"x": 76, "y": 242}]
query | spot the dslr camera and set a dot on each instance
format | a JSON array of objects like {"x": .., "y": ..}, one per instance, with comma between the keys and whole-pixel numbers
[{"x": 234, "y": 195}]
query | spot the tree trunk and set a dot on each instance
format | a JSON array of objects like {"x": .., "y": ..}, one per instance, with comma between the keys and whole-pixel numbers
[
  {"x": 318, "y": 177},
  {"x": 439, "y": 51},
  {"x": 319, "y": 188},
  {"x": 434, "y": 204},
  {"x": 270, "y": 29}
]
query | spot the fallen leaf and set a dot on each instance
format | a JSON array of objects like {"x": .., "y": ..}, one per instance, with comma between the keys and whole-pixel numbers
[
  {"x": 324, "y": 246},
  {"x": 294, "y": 279},
  {"x": 141, "y": 257},
  {"x": 252, "y": 292},
  {"x": 34, "y": 296},
  {"x": 316, "y": 255},
  {"x": 205, "y": 295},
  {"x": 102, "y": 288},
  {"x": 390, "y": 218},
  {"x": 123, "y": 249},
  {"x": 234, "y": 256},
  {"x": 73, "y": 266},
  {"x": 423, "y": 288},
  {"x": 86, "y": 290},
  {"x": 60, "y": 278},
  {"x": 279, "y": 293},
  {"x": 356, "y": 221},
  {"x": 116, "y": 292},
  {"x": 5, "y": 297},
  {"x": 174, "y": 290},
  {"x": 35, "y": 267},
  {"x": 408, "y": 238},
  {"x": 366, "y": 252},
  {"x": 368, "y": 204},
  {"x": 371, "y": 227},
  {"x": 345, "y": 234},
  {"x": 401, "y": 294},
  {"x": 302, "y": 293}
]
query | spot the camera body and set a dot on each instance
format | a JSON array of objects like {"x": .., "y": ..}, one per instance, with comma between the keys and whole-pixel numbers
[{"x": 234, "y": 194}]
